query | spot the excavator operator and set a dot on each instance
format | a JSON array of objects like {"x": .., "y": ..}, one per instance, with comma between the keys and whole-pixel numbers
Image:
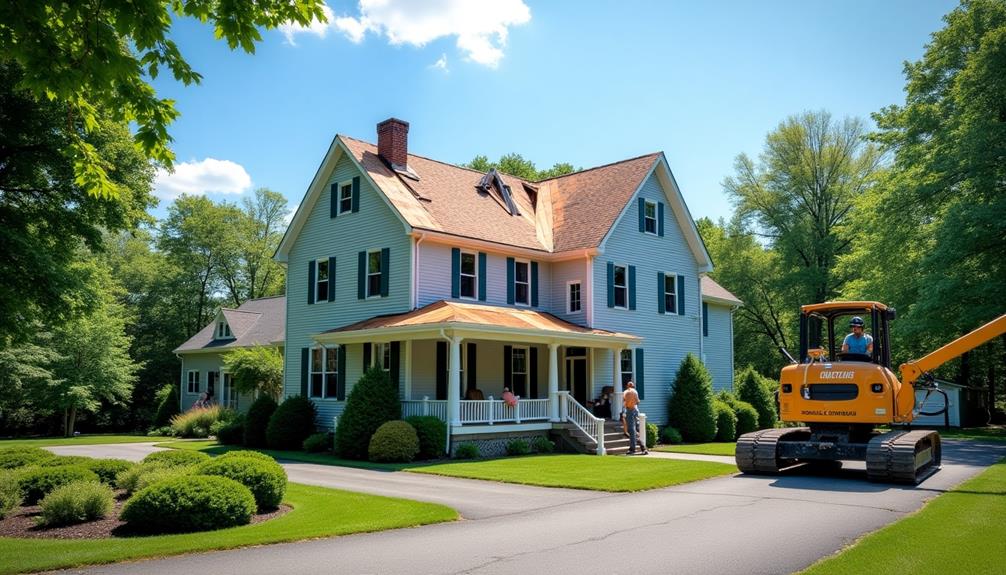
[{"x": 857, "y": 343}]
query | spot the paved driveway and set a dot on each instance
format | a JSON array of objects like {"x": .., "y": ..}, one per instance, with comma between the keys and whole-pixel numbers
[{"x": 737, "y": 524}]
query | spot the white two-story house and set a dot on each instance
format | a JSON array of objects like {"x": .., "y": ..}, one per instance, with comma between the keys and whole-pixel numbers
[{"x": 460, "y": 283}]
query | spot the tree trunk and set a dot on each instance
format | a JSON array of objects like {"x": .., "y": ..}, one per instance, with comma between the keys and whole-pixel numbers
[
  {"x": 66, "y": 422},
  {"x": 71, "y": 421}
]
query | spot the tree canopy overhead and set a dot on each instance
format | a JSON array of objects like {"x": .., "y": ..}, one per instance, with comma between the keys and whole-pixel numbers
[
  {"x": 515, "y": 165},
  {"x": 92, "y": 56}
]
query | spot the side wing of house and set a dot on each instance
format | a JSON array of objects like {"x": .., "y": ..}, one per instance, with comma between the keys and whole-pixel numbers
[
  {"x": 200, "y": 374},
  {"x": 718, "y": 344}
]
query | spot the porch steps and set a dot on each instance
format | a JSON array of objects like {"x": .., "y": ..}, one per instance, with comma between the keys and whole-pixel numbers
[{"x": 615, "y": 442}]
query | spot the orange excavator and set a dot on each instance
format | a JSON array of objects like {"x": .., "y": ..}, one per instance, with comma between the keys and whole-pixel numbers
[{"x": 842, "y": 398}]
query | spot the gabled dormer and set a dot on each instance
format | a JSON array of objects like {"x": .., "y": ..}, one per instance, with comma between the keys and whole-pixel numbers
[{"x": 222, "y": 328}]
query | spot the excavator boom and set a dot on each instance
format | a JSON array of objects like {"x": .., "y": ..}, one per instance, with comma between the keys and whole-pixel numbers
[{"x": 913, "y": 370}]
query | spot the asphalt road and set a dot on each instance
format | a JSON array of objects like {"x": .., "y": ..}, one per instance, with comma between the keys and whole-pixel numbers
[{"x": 738, "y": 524}]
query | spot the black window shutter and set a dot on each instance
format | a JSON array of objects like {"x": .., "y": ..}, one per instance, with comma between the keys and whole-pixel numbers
[
  {"x": 340, "y": 386},
  {"x": 508, "y": 367},
  {"x": 639, "y": 381},
  {"x": 534, "y": 284},
  {"x": 611, "y": 284},
  {"x": 367, "y": 358},
  {"x": 681, "y": 295},
  {"x": 642, "y": 215},
  {"x": 310, "y": 282},
  {"x": 333, "y": 209},
  {"x": 361, "y": 276},
  {"x": 661, "y": 301},
  {"x": 470, "y": 367},
  {"x": 660, "y": 219},
  {"x": 441, "y": 370},
  {"x": 533, "y": 368},
  {"x": 305, "y": 362},
  {"x": 385, "y": 271},
  {"x": 705, "y": 319},
  {"x": 331, "y": 278},
  {"x": 509, "y": 280},
  {"x": 482, "y": 276},
  {"x": 455, "y": 273},
  {"x": 356, "y": 194},
  {"x": 396, "y": 366},
  {"x": 632, "y": 287}
]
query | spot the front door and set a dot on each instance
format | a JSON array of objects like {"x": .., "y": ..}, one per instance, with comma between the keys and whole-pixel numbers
[
  {"x": 211, "y": 385},
  {"x": 576, "y": 378}
]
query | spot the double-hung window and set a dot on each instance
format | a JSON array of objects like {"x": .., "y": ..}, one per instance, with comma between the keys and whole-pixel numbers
[
  {"x": 382, "y": 356},
  {"x": 324, "y": 374},
  {"x": 650, "y": 217},
  {"x": 522, "y": 283},
  {"x": 670, "y": 294},
  {"x": 345, "y": 197},
  {"x": 193, "y": 381},
  {"x": 321, "y": 280},
  {"x": 625, "y": 366},
  {"x": 469, "y": 275},
  {"x": 518, "y": 373},
  {"x": 374, "y": 273},
  {"x": 223, "y": 330},
  {"x": 573, "y": 297},
  {"x": 621, "y": 286}
]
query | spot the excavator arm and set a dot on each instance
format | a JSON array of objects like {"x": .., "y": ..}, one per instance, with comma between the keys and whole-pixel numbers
[{"x": 912, "y": 371}]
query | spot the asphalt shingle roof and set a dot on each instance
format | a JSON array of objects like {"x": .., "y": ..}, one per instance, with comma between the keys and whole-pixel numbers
[{"x": 256, "y": 322}]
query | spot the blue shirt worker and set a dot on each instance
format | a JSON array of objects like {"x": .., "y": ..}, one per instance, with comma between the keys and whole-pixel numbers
[{"x": 857, "y": 342}]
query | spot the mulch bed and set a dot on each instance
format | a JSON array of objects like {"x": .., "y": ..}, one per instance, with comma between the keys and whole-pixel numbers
[{"x": 23, "y": 523}]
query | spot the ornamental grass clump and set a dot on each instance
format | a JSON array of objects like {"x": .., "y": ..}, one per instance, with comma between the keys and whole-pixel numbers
[
  {"x": 197, "y": 421},
  {"x": 38, "y": 482},
  {"x": 190, "y": 503},
  {"x": 265, "y": 479},
  {"x": 76, "y": 502}
]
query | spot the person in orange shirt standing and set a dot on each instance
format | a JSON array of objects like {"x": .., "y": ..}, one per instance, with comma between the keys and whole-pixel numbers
[{"x": 630, "y": 399}]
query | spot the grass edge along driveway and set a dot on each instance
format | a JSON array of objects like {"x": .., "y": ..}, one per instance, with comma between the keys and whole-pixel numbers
[
  {"x": 961, "y": 531},
  {"x": 317, "y": 512},
  {"x": 590, "y": 472},
  {"x": 725, "y": 449},
  {"x": 78, "y": 440}
]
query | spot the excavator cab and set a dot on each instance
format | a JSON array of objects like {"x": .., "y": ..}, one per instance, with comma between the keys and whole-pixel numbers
[{"x": 823, "y": 328}]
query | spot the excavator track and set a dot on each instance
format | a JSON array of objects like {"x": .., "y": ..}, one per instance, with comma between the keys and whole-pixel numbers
[
  {"x": 756, "y": 451},
  {"x": 903, "y": 456}
]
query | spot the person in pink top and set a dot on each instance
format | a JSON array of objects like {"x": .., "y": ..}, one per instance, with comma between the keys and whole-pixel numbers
[{"x": 509, "y": 397}]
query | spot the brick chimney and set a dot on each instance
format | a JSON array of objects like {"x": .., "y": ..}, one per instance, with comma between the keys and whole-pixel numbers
[{"x": 393, "y": 143}]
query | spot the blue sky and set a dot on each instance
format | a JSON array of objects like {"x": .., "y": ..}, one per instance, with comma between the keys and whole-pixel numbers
[{"x": 580, "y": 82}]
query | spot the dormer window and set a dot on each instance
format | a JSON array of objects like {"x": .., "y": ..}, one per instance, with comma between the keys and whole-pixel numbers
[{"x": 223, "y": 330}]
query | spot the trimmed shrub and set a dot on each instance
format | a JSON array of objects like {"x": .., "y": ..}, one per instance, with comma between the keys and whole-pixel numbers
[
  {"x": 77, "y": 502},
  {"x": 265, "y": 479},
  {"x": 168, "y": 408},
  {"x": 64, "y": 460},
  {"x": 542, "y": 444},
  {"x": 232, "y": 433},
  {"x": 38, "y": 482},
  {"x": 248, "y": 454},
  {"x": 395, "y": 441},
  {"x": 652, "y": 433},
  {"x": 467, "y": 451},
  {"x": 135, "y": 478},
  {"x": 257, "y": 420},
  {"x": 318, "y": 442},
  {"x": 517, "y": 447},
  {"x": 176, "y": 458},
  {"x": 747, "y": 415},
  {"x": 726, "y": 421},
  {"x": 15, "y": 457},
  {"x": 670, "y": 436},
  {"x": 165, "y": 431},
  {"x": 432, "y": 432},
  {"x": 754, "y": 389},
  {"x": 372, "y": 403},
  {"x": 157, "y": 474},
  {"x": 197, "y": 421},
  {"x": 191, "y": 503},
  {"x": 108, "y": 469},
  {"x": 11, "y": 495},
  {"x": 291, "y": 424},
  {"x": 691, "y": 405}
]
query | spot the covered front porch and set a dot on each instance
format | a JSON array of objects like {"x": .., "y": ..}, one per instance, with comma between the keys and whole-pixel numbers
[{"x": 458, "y": 358}]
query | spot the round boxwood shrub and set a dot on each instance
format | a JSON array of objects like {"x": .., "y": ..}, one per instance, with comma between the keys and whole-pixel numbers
[
  {"x": 517, "y": 447},
  {"x": 726, "y": 421},
  {"x": 248, "y": 454},
  {"x": 15, "y": 457},
  {"x": 754, "y": 389},
  {"x": 64, "y": 460},
  {"x": 467, "y": 451},
  {"x": 747, "y": 415},
  {"x": 291, "y": 424},
  {"x": 691, "y": 405},
  {"x": 318, "y": 442},
  {"x": 232, "y": 432},
  {"x": 176, "y": 458},
  {"x": 36, "y": 483},
  {"x": 189, "y": 503},
  {"x": 157, "y": 474},
  {"x": 432, "y": 433},
  {"x": 11, "y": 495},
  {"x": 257, "y": 420},
  {"x": 265, "y": 479},
  {"x": 670, "y": 436},
  {"x": 108, "y": 469},
  {"x": 372, "y": 403},
  {"x": 542, "y": 444},
  {"x": 76, "y": 502},
  {"x": 395, "y": 441},
  {"x": 652, "y": 433}
]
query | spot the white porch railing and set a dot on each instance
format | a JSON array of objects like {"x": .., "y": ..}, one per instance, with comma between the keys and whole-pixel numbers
[
  {"x": 570, "y": 410},
  {"x": 491, "y": 411},
  {"x": 434, "y": 407}
]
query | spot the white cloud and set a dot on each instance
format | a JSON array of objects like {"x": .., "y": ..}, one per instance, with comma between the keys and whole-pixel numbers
[
  {"x": 319, "y": 29},
  {"x": 289, "y": 215},
  {"x": 441, "y": 64},
  {"x": 202, "y": 177},
  {"x": 481, "y": 28}
]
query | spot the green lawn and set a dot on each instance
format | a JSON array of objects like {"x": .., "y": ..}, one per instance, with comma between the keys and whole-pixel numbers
[
  {"x": 726, "y": 449},
  {"x": 979, "y": 433},
  {"x": 213, "y": 448},
  {"x": 79, "y": 440},
  {"x": 583, "y": 471},
  {"x": 318, "y": 512},
  {"x": 961, "y": 531}
]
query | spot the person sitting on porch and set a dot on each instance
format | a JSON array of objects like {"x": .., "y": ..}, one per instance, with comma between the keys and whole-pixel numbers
[
  {"x": 602, "y": 405},
  {"x": 475, "y": 394},
  {"x": 509, "y": 397}
]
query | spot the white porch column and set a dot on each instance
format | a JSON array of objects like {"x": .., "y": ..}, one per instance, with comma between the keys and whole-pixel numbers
[
  {"x": 553, "y": 381},
  {"x": 454, "y": 383},
  {"x": 616, "y": 370}
]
